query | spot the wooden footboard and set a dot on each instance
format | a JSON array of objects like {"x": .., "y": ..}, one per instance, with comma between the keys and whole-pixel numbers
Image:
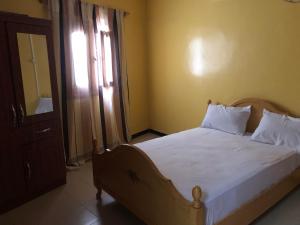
[{"x": 131, "y": 177}]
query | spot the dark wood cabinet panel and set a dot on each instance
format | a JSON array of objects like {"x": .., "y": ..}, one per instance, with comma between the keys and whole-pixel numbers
[
  {"x": 7, "y": 106},
  {"x": 12, "y": 186},
  {"x": 31, "y": 149},
  {"x": 44, "y": 161},
  {"x": 51, "y": 165}
]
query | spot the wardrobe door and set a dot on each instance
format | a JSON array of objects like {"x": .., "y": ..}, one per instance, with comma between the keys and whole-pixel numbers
[
  {"x": 32, "y": 56},
  {"x": 12, "y": 182},
  {"x": 36, "y": 91},
  {"x": 44, "y": 161},
  {"x": 32, "y": 165},
  {"x": 52, "y": 166}
]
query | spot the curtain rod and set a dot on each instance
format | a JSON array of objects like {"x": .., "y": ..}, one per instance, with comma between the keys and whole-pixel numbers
[{"x": 126, "y": 13}]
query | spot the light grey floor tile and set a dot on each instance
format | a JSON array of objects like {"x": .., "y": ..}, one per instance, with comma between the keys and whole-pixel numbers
[
  {"x": 56, "y": 207},
  {"x": 287, "y": 212}
]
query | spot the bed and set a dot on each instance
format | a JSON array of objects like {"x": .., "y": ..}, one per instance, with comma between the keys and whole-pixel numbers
[{"x": 200, "y": 176}]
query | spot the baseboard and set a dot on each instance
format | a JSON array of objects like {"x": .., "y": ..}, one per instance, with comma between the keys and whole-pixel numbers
[
  {"x": 136, "y": 135},
  {"x": 157, "y": 132}
]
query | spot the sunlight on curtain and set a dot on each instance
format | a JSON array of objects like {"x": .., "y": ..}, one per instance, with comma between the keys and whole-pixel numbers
[
  {"x": 98, "y": 64},
  {"x": 79, "y": 50},
  {"x": 104, "y": 61},
  {"x": 104, "y": 49},
  {"x": 107, "y": 96},
  {"x": 108, "y": 58}
]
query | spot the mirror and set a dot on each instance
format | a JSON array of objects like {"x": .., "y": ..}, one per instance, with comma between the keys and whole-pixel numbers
[{"x": 33, "y": 54}]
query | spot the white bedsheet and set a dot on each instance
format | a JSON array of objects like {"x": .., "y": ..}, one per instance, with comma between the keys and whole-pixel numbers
[{"x": 230, "y": 169}]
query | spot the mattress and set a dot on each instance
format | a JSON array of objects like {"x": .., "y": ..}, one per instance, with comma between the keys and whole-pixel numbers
[{"x": 231, "y": 170}]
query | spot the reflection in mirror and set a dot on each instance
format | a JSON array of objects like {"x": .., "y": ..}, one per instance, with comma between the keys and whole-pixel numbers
[{"x": 35, "y": 73}]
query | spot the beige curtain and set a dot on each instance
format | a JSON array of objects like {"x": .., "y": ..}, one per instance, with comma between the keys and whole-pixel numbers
[
  {"x": 104, "y": 43},
  {"x": 123, "y": 84},
  {"x": 84, "y": 124},
  {"x": 108, "y": 76},
  {"x": 87, "y": 11},
  {"x": 95, "y": 73}
]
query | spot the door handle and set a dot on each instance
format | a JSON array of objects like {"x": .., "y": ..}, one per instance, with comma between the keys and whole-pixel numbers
[
  {"x": 28, "y": 167},
  {"x": 14, "y": 114},
  {"x": 43, "y": 131},
  {"x": 22, "y": 113}
]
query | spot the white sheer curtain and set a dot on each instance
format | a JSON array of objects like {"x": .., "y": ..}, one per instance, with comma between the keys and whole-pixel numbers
[
  {"x": 95, "y": 75},
  {"x": 103, "y": 41},
  {"x": 83, "y": 116},
  {"x": 105, "y": 65}
]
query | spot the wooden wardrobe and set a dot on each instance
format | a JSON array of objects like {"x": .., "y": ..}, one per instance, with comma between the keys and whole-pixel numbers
[{"x": 31, "y": 148}]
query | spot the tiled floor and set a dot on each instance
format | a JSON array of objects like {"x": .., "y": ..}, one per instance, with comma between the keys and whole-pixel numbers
[{"x": 75, "y": 204}]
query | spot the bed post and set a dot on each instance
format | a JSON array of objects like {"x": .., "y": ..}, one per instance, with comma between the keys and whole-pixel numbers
[
  {"x": 197, "y": 207},
  {"x": 197, "y": 193}
]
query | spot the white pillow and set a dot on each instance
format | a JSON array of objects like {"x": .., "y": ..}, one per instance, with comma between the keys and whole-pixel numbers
[
  {"x": 278, "y": 130},
  {"x": 229, "y": 119}
]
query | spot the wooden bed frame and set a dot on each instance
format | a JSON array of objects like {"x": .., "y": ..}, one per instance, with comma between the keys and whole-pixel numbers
[{"x": 131, "y": 177}]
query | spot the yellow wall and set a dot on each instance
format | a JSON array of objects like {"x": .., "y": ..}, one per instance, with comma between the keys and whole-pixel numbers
[
  {"x": 223, "y": 50},
  {"x": 135, "y": 44},
  {"x": 28, "y": 7}
]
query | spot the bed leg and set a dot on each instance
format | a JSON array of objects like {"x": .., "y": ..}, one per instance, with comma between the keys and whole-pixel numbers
[{"x": 98, "y": 195}]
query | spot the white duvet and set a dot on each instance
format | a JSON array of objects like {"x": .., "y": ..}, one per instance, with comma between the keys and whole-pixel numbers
[{"x": 230, "y": 169}]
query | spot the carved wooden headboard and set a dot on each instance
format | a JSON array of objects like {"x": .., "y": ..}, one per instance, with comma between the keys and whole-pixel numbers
[{"x": 258, "y": 105}]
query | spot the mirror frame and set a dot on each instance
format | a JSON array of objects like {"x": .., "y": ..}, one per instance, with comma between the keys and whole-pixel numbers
[{"x": 42, "y": 28}]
